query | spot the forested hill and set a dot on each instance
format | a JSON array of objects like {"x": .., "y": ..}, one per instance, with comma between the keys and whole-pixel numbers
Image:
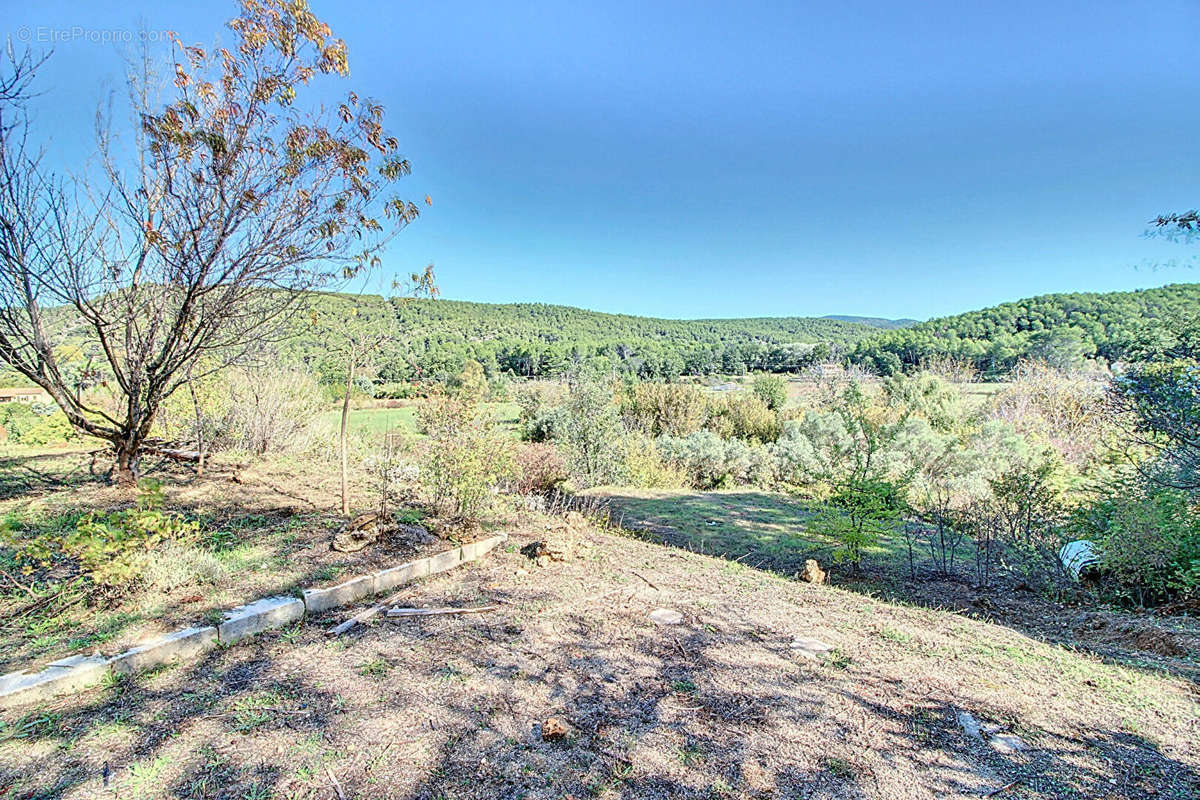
[
  {"x": 437, "y": 336},
  {"x": 1064, "y": 329},
  {"x": 553, "y": 323}
]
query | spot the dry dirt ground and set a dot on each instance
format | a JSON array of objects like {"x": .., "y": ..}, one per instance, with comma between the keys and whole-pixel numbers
[
  {"x": 719, "y": 705},
  {"x": 268, "y": 528},
  {"x": 769, "y": 530}
]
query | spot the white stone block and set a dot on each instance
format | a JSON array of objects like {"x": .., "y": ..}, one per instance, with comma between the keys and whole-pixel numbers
[
  {"x": 60, "y": 677},
  {"x": 318, "y": 600},
  {"x": 388, "y": 579},
  {"x": 261, "y": 615},
  {"x": 444, "y": 561},
  {"x": 182, "y": 645}
]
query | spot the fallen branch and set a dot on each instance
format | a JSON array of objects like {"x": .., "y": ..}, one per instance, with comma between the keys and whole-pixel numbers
[
  {"x": 1003, "y": 788},
  {"x": 166, "y": 450},
  {"x": 333, "y": 779},
  {"x": 192, "y": 456},
  {"x": 40, "y": 602},
  {"x": 647, "y": 580},
  {"x": 27, "y": 589},
  {"x": 363, "y": 616},
  {"x": 429, "y": 612}
]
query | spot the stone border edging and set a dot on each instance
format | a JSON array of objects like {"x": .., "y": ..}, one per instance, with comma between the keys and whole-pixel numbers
[{"x": 78, "y": 672}]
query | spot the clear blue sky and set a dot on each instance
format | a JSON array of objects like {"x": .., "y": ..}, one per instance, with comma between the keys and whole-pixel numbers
[{"x": 692, "y": 159}]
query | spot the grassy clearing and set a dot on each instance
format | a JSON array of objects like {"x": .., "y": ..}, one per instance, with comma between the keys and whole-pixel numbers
[
  {"x": 759, "y": 528},
  {"x": 376, "y": 420},
  {"x": 403, "y": 419},
  {"x": 767, "y": 530}
]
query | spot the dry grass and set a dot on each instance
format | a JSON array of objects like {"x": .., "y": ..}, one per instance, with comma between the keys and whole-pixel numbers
[
  {"x": 719, "y": 706},
  {"x": 767, "y": 530},
  {"x": 267, "y": 532}
]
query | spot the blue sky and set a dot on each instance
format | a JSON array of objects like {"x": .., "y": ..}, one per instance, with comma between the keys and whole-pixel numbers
[{"x": 695, "y": 159}]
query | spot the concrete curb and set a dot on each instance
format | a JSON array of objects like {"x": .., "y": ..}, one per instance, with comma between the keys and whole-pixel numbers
[
  {"x": 259, "y": 616},
  {"x": 181, "y": 645},
  {"x": 60, "y": 677},
  {"x": 318, "y": 600},
  {"x": 75, "y": 673}
]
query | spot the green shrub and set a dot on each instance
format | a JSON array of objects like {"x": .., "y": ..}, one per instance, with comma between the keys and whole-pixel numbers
[
  {"x": 927, "y": 396},
  {"x": 711, "y": 462},
  {"x": 498, "y": 389},
  {"x": 51, "y": 429},
  {"x": 592, "y": 435},
  {"x": 772, "y": 389},
  {"x": 112, "y": 549},
  {"x": 395, "y": 390},
  {"x": 17, "y": 418},
  {"x": 1148, "y": 536},
  {"x": 542, "y": 415},
  {"x": 859, "y": 513},
  {"x": 467, "y": 455},
  {"x": 546, "y": 424},
  {"x": 1162, "y": 403},
  {"x": 36, "y": 425},
  {"x": 674, "y": 409},
  {"x": 743, "y": 415},
  {"x": 471, "y": 384},
  {"x": 1028, "y": 508},
  {"x": 644, "y": 466}
]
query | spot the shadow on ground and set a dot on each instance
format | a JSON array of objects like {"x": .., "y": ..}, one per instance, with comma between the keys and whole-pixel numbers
[
  {"x": 719, "y": 706},
  {"x": 29, "y": 476},
  {"x": 456, "y": 710},
  {"x": 767, "y": 530}
]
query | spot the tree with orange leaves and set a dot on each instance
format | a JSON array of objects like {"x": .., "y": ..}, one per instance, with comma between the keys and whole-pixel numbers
[{"x": 199, "y": 237}]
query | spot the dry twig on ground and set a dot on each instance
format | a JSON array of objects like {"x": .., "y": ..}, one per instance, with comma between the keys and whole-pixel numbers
[{"x": 429, "y": 612}]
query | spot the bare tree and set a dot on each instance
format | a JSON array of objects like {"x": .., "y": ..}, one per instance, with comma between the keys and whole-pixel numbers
[
  {"x": 16, "y": 81},
  {"x": 199, "y": 236},
  {"x": 357, "y": 339}
]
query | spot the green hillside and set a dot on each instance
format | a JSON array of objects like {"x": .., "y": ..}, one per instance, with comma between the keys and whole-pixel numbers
[
  {"x": 1064, "y": 329},
  {"x": 435, "y": 337}
]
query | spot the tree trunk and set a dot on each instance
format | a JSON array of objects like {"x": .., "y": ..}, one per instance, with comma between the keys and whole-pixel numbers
[
  {"x": 342, "y": 437},
  {"x": 199, "y": 427},
  {"x": 125, "y": 473}
]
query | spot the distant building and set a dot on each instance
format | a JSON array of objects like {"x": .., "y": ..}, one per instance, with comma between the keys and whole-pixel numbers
[{"x": 24, "y": 395}]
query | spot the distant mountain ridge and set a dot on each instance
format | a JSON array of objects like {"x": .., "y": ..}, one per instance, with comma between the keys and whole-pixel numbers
[
  {"x": 876, "y": 322},
  {"x": 435, "y": 338}
]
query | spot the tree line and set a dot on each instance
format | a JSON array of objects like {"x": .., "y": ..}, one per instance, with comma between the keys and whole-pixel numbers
[
  {"x": 1063, "y": 330},
  {"x": 434, "y": 339}
]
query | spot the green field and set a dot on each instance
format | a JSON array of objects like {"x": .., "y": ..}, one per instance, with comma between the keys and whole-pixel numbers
[
  {"x": 404, "y": 418},
  {"x": 762, "y": 529}
]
